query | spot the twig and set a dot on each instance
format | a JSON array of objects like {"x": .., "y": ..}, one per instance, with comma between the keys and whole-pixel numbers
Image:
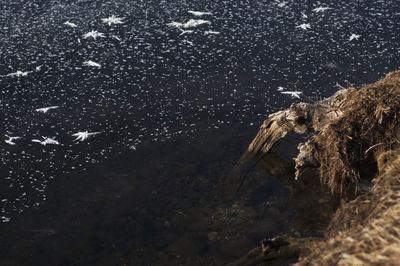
[{"x": 373, "y": 146}]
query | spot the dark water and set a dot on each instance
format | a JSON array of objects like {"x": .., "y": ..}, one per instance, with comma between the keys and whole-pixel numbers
[{"x": 175, "y": 110}]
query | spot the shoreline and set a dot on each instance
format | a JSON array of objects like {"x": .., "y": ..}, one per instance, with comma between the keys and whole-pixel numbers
[{"x": 354, "y": 154}]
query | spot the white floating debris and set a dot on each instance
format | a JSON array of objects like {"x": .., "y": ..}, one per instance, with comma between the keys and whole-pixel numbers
[
  {"x": 84, "y": 135},
  {"x": 188, "y": 42},
  {"x": 116, "y": 37},
  {"x": 185, "y": 31},
  {"x": 280, "y": 88},
  {"x": 191, "y": 23},
  {"x": 72, "y": 25},
  {"x": 304, "y": 26},
  {"x": 321, "y": 9},
  {"x": 5, "y": 219},
  {"x": 175, "y": 24},
  {"x": 282, "y": 4},
  {"x": 112, "y": 20},
  {"x": 294, "y": 94},
  {"x": 19, "y": 73},
  {"x": 46, "y": 140},
  {"x": 354, "y": 37},
  {"x": 211, "y": 32},
  {"x": 199, "y": 13},
  {"x": 195, "y": 22},
  {"x": 91, "y": 64},
  {"x": 10, "y": 140},
  {"x": 45, "y": 109},
  {"x": 93, "y": 34}
]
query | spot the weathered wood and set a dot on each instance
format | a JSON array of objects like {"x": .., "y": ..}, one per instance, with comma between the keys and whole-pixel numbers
[{"x": 300, "y": 118}]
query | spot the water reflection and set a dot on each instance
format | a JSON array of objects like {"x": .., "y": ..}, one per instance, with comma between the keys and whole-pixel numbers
[{"x": 172, "y": 212}]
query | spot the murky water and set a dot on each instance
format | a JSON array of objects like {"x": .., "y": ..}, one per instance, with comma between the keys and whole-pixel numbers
[{"x": 176, "y": 98}]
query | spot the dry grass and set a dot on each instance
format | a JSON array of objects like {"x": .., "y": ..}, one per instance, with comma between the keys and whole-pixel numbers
[
  {"x": 361, "y": 142},
  {"x": 347, "y": 149},
  {"x": 365, "y": 231}
]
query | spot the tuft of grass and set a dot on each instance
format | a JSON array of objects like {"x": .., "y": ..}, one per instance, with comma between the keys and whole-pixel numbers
[{"x": 347, "y": 149}]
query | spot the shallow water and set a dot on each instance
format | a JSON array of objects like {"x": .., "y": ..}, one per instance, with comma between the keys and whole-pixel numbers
[{"x": 175, "y": 110}]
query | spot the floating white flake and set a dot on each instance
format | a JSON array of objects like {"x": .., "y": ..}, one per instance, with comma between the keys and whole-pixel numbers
[
  {"x": 93, "y": 34},
  {"x": 45, "y": 109},
  {"x": 112, "y": 20},
  {"x": 199, "y": 13},
  {"x": 82, "y": 135},
  {"x": 91, "y": 63}
]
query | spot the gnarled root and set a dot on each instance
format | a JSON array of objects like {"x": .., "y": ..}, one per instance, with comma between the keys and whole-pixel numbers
[{"x": 300, "y": 118}]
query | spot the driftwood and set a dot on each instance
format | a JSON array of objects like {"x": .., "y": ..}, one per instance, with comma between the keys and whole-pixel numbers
[
  {"x": 356, "y": 136},
  {"x": 300, "y": 118}
]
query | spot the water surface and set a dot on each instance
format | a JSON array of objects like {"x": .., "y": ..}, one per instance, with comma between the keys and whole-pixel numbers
[{"x": 175, "y": 110}]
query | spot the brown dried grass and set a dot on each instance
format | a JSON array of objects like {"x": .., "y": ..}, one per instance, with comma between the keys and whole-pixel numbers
[
  {"x": 365, "y": 231},
  {"x": 347, "y": 149}
]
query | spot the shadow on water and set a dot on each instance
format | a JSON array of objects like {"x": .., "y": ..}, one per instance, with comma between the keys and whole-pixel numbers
[{"x": 164, "y": 205}]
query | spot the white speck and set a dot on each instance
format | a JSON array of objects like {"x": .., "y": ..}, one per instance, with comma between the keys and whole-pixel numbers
[
  {"x": 199, "y": 13},
  {"x": 280, "y": 88},
  {"x": 10, "y": 140},
  {"x": 294, "y": 94},
  {"x": 321, "y": 9},
  {"x": 73, "y": 25},
  {"x": 188, "y": 42},
  {"x": 93, "y": 34},
  {"x": 46, "y": 140},
  {"x": 116, "y": 37},
  {"x": 191, "y": 23},
  {"x": 304, "y": 26},
  {"x": 19, "y": 73},
  {"x": 91, "y": 64},
  {"x": 175, "y": 24},
  {"x": 185, "y": 31},
  {"x": 45, "y": 109},
  {"x": 5, "y": 219},
  {"x": 354, "y": 37},
  {"x": 211, "y": 32},
  {"x": 282, "y": 4}
]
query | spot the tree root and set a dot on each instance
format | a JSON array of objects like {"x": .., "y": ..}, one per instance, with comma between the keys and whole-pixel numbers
[{"x": 300, "y": 118}]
